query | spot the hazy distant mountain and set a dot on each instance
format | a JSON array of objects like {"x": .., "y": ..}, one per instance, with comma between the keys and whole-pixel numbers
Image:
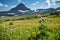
[
  {"x": 21, "y": 9},
  {"x": 58, "y": 8},
  {"x": 46, "y": 10},
  {"x": 49, "y": 10}
]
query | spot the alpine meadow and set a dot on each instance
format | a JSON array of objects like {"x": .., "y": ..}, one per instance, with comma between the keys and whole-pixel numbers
[{"x": 29, "y": 20}]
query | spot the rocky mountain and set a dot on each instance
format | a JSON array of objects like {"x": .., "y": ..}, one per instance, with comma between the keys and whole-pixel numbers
[
  {"x": 18, "y": 10},
  {"x": 21, "y": 6},
  {"x": 21, "y": 9}
]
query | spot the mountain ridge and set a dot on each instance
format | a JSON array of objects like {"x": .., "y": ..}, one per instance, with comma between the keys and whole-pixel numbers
[{"x": 22, "y": 9}]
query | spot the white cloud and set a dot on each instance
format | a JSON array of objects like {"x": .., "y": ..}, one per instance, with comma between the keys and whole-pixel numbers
[
  {"x": 1, "y": 4},
  {"x": 35, "y": 3},
  {"x": 48, "y": 2},
  {"x": 53, "y": 2},
  {"x": 58, "y": 1},
  {"x": 19, "y": 0},
  {"x": 13, "y": 6},
  {"x": 44, "y": 6},
  {"x": 6, "y": 5}
]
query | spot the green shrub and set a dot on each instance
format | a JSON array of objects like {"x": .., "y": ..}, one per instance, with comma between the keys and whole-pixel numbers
[
  {"x": 46, "y": 33},
  {"x": 7, "y": 20}
]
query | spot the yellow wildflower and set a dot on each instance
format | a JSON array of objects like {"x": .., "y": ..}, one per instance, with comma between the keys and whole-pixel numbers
[{"x": 33, "y": 32}]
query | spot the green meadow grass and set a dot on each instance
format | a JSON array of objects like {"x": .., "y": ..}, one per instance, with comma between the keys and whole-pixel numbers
[{"x": 23, "y": 29}]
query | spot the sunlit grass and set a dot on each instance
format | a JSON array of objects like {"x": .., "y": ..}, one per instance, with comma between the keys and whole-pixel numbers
[{"x": 22, "y": 29}]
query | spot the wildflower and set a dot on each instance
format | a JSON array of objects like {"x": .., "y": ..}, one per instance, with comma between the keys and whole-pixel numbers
[
  {"x": 12, "y": 30},
  {"x": 33, "y": 32},
  {"x": 27, "y": 31}
]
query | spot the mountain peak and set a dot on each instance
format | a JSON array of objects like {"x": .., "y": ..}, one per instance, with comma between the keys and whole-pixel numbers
[{"x": 20, "y": 6}]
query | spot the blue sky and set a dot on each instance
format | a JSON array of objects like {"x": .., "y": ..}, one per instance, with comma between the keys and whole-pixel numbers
[{"x": 32, "y": 4}]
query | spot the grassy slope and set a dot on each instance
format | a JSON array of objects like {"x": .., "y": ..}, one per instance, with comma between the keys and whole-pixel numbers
[{"x": 21, "y": 29}]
